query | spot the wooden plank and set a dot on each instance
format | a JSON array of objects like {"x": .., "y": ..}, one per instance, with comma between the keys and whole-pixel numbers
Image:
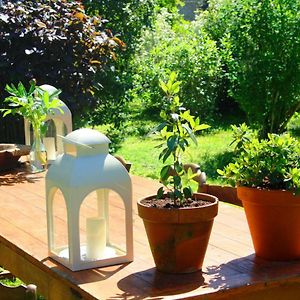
[{"x": 231, "y": 270}]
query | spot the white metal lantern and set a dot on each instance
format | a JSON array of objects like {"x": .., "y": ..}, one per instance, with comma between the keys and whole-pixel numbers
[
  {"x": 87, "y": 168},
  {"x": 63, "y": 125}
]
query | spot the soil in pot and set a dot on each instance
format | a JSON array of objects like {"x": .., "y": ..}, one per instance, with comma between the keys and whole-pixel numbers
[{"x": 178, "y": 237}]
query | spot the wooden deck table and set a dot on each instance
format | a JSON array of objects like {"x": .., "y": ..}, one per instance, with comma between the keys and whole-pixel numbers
[{"x": 231, "y": 270}]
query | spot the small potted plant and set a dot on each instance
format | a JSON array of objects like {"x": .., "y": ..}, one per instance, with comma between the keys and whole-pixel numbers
[
  {"x": 267, "y": 175},
  {"x": 34, "y": 105},
  {"x": 178, "y": 222}
]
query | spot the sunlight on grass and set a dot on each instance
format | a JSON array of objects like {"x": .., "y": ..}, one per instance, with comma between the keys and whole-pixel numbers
[
  {"x": 213, "y": 152},
  {"x": 11, "y": 282}
]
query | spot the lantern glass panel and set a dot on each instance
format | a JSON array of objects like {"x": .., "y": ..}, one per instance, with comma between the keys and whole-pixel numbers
[
  {"x": 102, "y": 226},
  {"x": 51, "y": 128},
  {"x": 60, "y": 229}
]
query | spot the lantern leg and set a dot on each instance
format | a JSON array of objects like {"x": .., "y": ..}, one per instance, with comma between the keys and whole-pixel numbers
[
  {"x": 129, "y": 224},
  {"x": 73, "y": 232},
  {"x": 50, "y": 195}
]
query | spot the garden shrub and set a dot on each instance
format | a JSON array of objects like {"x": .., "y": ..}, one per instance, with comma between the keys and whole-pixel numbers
[
  {"x": 271, "y": 163},
  {"x": 261, "y": 43},
  {"x": 129, "y": 17},
  {"x": 56, "y": 43},
  {"x": 175, "y": 45},
  {"x": 294, "y": 124},
  {"x": 127, "y": 20}
]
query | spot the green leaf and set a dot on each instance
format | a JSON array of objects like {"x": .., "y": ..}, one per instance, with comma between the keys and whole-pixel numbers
[
  {"x": 175, "y": 87},
  {"x": 178, "y": 167},
  {"x": 220, "y": 172},
  {"x": 177, "y": 181},
  {"x": 158, "y": 128},
  {"x": 32, "y": 87},
  {"x": 187, "y": 191},
  {"x": 46, "y": 99},
  {"x": 202, "y": 127},
  {"x": 163, "y": 152},
  {"x": 21, "y": 89},
  {"x": 160, "y": 193},
  {"x": 7, "y": 112},
  {"x": 190, "y": 133},
  {"x": 167, "y": 155},
  {"x": 178, "y": 194},
  {"x": 11, "y": 90},
  {"x": 163, "y": 86},
  {"x": 176, "y": 101},
  {"x": 165, "y": 172},
  {"x": 173, "y": 76},
  {"x": 172, "y": 143}
]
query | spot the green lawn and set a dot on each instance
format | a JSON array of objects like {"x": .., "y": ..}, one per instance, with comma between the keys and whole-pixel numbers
[{"x": 213, "y": 152}]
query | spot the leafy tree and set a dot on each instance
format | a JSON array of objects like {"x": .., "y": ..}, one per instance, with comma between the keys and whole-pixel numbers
[
  {"x": 261, "y": 43},
  {"x": 176, "y": 45},
  {"x": 56, "y": 43},
  {"x": 128, "y": 19}
]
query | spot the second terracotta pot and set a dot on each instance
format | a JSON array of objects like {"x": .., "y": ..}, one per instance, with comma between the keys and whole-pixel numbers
[
  {"x": 273, "y": 217},
  {"x": 178, "y": 238}
]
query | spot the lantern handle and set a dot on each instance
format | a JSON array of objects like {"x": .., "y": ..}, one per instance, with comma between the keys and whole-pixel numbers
[{"x": 77, "y": 143}]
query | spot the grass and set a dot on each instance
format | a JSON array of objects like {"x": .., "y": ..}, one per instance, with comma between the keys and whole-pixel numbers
[
  {"x": 11, "y": 282},
  {"x": 213, "y": 152}
]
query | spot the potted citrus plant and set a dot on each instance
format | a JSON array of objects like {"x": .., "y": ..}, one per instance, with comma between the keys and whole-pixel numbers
[
  {"x": 34, "y": 105},
  {"x": 267, "y": 175},
  {"x": 178, "y": 222}
]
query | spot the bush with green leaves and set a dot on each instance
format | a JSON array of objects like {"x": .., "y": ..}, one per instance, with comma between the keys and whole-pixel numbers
[
  {"x": 294, "y": 124},
  {"x": 175, "y": 45},
  {"x": 58, "y": 43},
  {"x": 127, "y": 20},
  {"x": 129, "y": 17},
  {"x": 177, "y": 127},
  {"x": 261, "y": 50},
  {"x": 272, "y": 163}
]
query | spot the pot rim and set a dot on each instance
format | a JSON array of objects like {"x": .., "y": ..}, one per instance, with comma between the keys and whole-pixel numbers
[
  {"x": 266, "y": 197},
  {"x": 181, "y": 215},
  {"x": 263, "y": 190},
  {"x": 212, "y": 197}
]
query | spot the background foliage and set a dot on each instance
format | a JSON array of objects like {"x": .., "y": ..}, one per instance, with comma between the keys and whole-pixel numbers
[
  {"x": 56, "y": 43},
  {"x": 127, "y": 20},
  {"x": 261, "y": 43},
  {"x": 174, "y": 45}
]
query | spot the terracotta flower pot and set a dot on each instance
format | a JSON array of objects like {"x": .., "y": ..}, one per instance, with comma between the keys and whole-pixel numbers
[
  {"x": 178, "y": 238},
  {"x": 274, "y": 221}
]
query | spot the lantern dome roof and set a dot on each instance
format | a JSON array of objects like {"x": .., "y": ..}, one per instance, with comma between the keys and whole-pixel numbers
[{"x": 86, "y": 137}]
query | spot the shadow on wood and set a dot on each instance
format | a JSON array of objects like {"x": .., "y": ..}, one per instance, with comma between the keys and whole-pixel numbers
[{"x": 156, "y": 284}]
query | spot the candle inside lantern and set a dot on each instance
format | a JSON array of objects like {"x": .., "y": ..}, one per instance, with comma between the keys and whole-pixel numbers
[
  {"x": 49, "y": 143},
  {"x": 95, "y": 237}
]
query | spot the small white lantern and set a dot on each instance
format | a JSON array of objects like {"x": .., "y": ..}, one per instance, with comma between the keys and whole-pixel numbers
[
  {"x": 87, "y": 168},
  {"x": 63, "y": 125}
]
